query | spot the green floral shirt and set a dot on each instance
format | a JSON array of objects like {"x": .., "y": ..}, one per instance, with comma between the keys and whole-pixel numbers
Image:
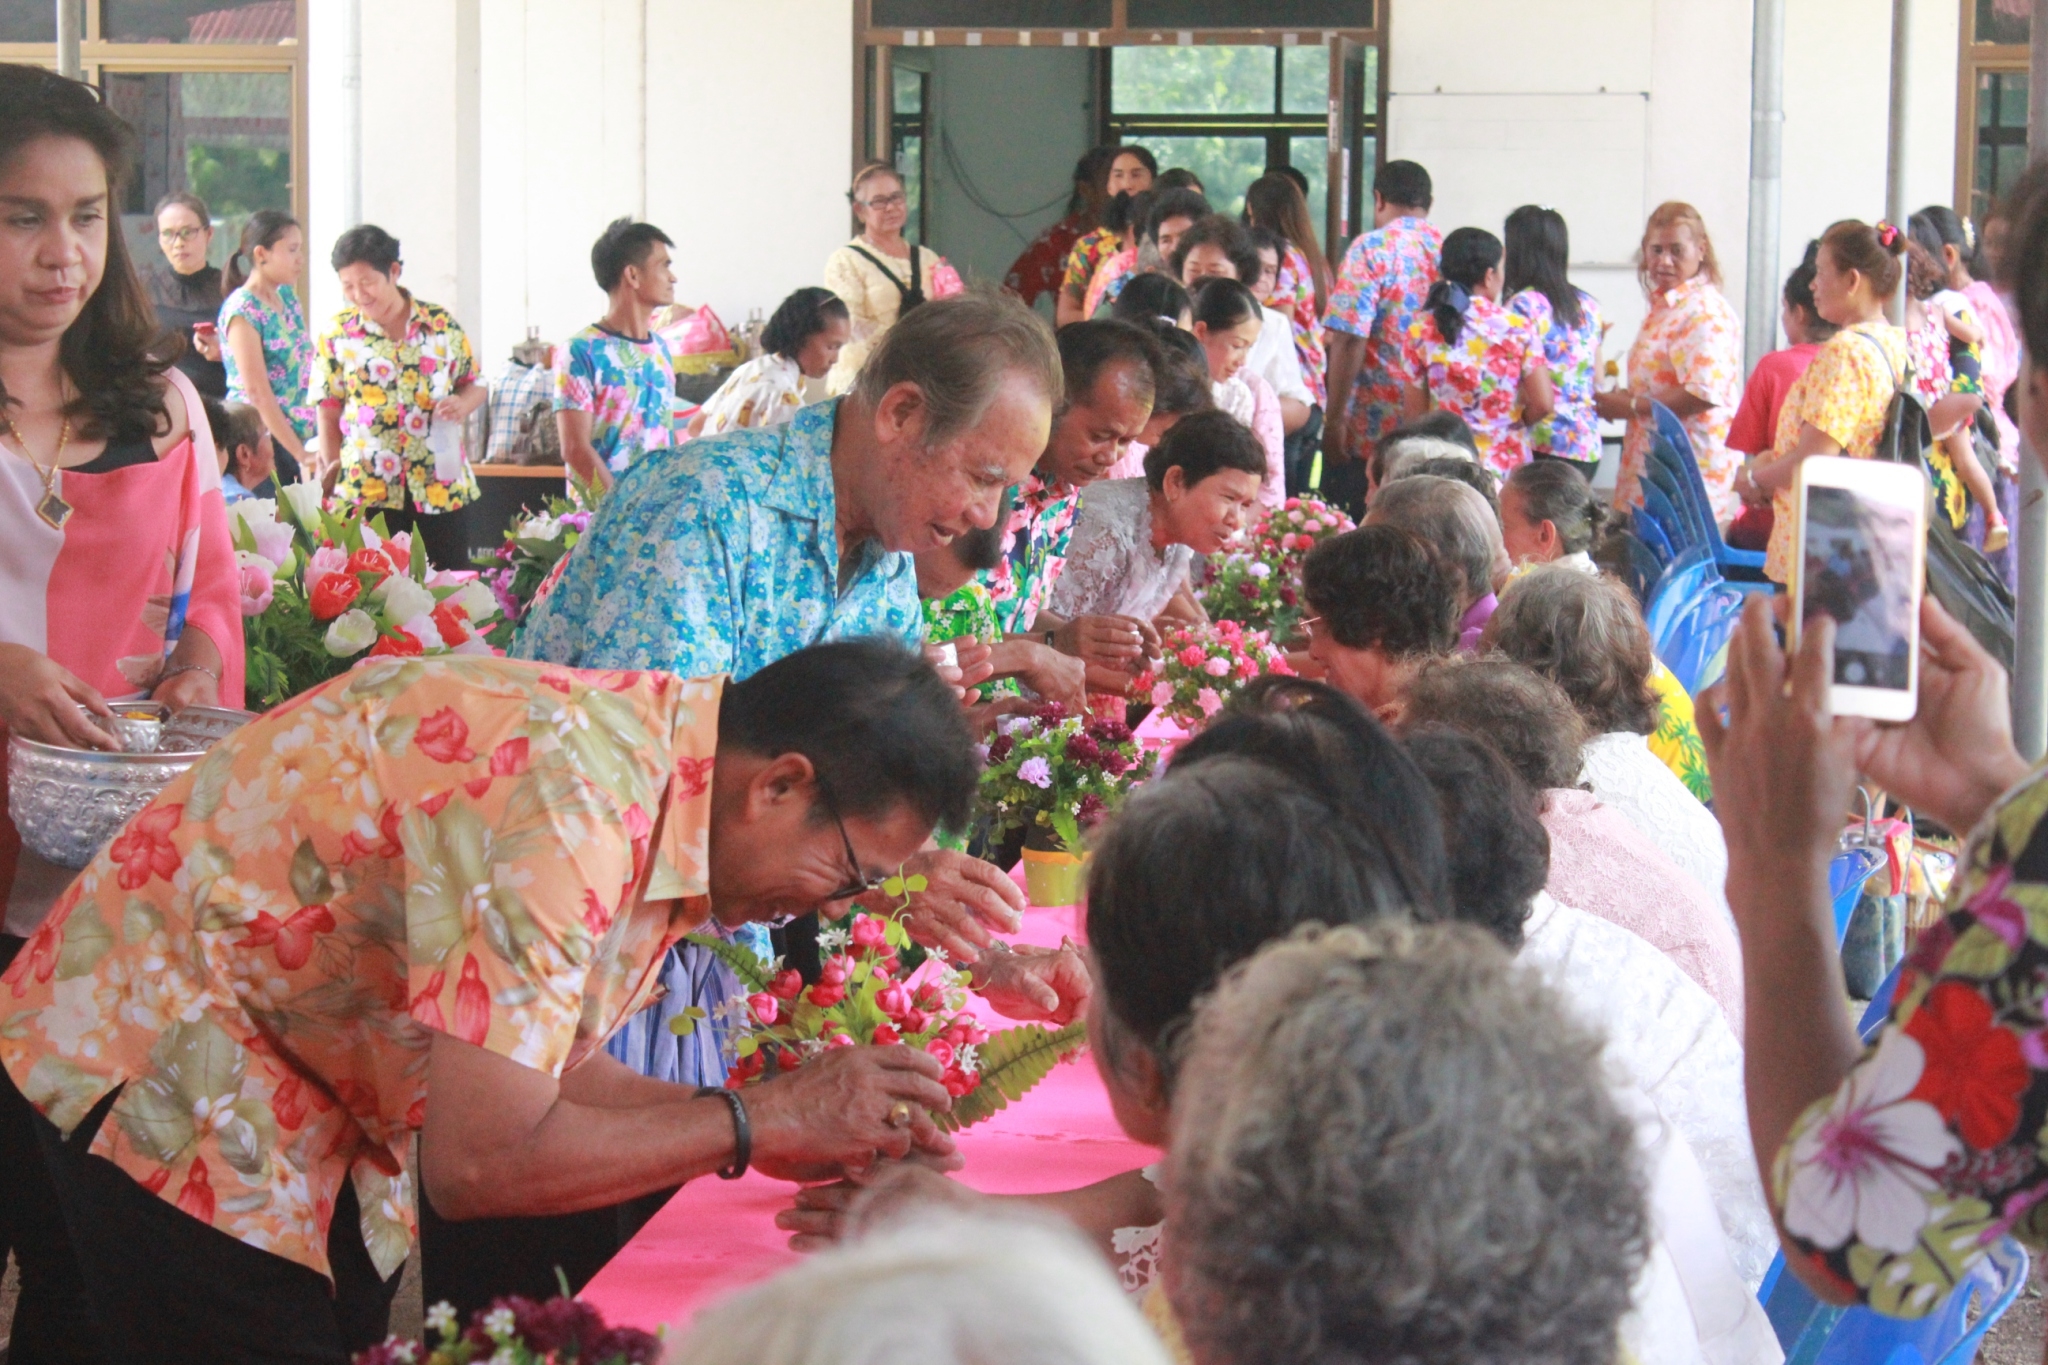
[{"x": 969, "y": 611}]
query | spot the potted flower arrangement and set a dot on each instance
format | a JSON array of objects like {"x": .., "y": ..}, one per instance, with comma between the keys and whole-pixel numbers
[
  {"x": 1259, "y": 585},
  {"x": 1200, "y": 670},
  {"x": 1054, "y": 776},
  {"x": 518, "y": 1331},
  {"x": 322, "y": 590},
  {"x": 535, "y": 545},
  {"x": 862, "y": 996}
]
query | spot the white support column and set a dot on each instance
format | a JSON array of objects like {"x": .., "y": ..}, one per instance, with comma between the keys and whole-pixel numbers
[
  {"x": 1895, "y": 144},
  {"x": 352, "y": 115},
  {"x": 1766, "y": 179},
  {"x": 70, "y": 33},
  {"x": 2030, "y": 662}
]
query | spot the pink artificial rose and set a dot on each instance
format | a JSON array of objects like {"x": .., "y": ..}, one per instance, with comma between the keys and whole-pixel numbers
[
  {"x": 940, "y": 1051},
  {"x": 893, "y": 1000},
  {"x": 1209, "y": 701},
  {"x": 887, "y": 1036},
  {"x": 868, "y": 932},
  {"x": 1194, "y": 656},
  {"x": 764, "y": 1007},
  {"x": 786, "y": 985},
  {"x": 835, "y": 970},
  {"x": 824, "y": 996},
  {"x": 258, "y": 587},
  {"x": 1162, "y": 694},
  {"x": 838, "y": 1039},
  {"x": 325, "y": 560},
  {"x": 916, "y": 1021},
  {"x": 1217, "y": 668}
]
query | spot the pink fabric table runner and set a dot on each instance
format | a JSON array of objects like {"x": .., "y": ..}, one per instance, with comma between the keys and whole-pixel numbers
[{"x": 717, "y": 1236}]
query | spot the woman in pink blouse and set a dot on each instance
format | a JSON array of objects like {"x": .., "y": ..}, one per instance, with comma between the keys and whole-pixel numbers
[
  {"x": 1688, "y": 356},
  {"x": 1473, "y": 357}
]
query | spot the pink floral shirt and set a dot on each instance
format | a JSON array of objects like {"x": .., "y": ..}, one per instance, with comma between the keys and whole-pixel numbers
[
  {"x": 1478, "y": 375},
  {"x": 1380, "y": 288},
  {"x": 1691, "y": 340},
  {"x": 1294, "y": 293}
]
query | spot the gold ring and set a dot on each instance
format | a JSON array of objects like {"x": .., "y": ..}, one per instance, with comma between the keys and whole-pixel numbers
[{"x": 899, "y": 1114}]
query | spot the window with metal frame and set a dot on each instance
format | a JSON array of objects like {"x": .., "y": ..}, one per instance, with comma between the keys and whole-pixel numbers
[{"x": 1991, "y": 128}]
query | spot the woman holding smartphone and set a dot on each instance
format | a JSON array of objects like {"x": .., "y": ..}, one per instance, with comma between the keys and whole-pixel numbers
[
  {"x": 267, "y": 350},
  {"x": 1894, "y": 1168},
  {"x": 1838, "y": 406}
]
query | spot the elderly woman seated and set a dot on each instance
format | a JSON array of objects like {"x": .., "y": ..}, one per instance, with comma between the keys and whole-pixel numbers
[
  {"x": 1587, "y": 635},
  {"x": 1456, "y": 519},
  {"x": 1599, "y": 861},
  {"x": 1665, "y": 1036},
  {"x": 1332, "y": 1198},
  {"x": 940, "y": 1287},
  {"x": 1385, "y": 606},
  {"x": 1136, "y": 538}
]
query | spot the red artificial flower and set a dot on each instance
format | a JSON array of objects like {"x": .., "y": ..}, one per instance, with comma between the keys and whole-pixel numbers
[
  {"x": 999, "y": 748},
  {"x": 1975, "y": 1071},
  {"x": 1194, "y": 656},
  {"x": 1090, "y": 811},
  {"x": 940, "y": 1051},
  {"x": 744, "y": 1070},
  {"x": 787, "y": 1059},
  {"x": 370, "y": 562},
  {"x": 786, "y": 985},
  {"x": 144, "y": 849},
  {"x": 886, "y": 1035},
  {"x": 395, "y": 552},
  {"x": 291, "y": 939},
  {"x": 825, "y": 996},
  {"x": 333, "y": 594},
  {"x": 869, "y": 932},
  {"x": 472, "y": 1003},
  {"x": 444, "y": 737},
  {"x": 916, "y": 1020},
  {"x": 930, "y": 997},
  {"x": 403, "y": 645},
  {"x": 835, "y": 970},
  {"x": 957, "y": 1082},
  {"x": 764, "y": 1007},
  {"x": 452, "y": 621},
  {"x": 893, "y": 1000},
  {"x": 1083, "y": 750}
]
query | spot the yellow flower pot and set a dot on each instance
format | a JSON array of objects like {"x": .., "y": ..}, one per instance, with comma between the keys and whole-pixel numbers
[{"x": 1054, "y": 877}]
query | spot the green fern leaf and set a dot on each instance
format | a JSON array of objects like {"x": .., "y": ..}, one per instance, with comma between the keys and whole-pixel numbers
[
  {"x": 1012, "y": 1062},
  {"x": 745, "y": 965}
]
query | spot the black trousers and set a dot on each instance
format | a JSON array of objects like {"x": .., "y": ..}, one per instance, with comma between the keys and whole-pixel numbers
[
  {"x": 1299, "y": 452},
  {"x": 111, "y": 1274},
  {"x": 471, "y": 1263},
  {"x": 444, "y": 535}
]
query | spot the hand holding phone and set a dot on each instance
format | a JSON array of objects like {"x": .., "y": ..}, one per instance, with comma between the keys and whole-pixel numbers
[{"x": 1860, "y": 556}]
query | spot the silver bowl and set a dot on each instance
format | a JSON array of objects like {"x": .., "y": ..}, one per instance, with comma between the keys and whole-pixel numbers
[{"x": 67, "y": 803}]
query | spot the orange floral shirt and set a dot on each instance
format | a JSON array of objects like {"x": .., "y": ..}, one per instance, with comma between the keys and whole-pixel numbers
[
  {"x": 1845, "y": 393},
  {"x": 263, "y": 955},
  {"x": 1691, "y": 340}
]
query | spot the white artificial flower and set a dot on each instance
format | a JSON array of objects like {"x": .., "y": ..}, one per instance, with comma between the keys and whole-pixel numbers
[
  {"x": 249, "y": 559},
  {"x": 540, "y": 526},
  {"x": 404, "y": 599},
  {"x": 259, "y": 518},
  {"x": 476, "y": 601},
  {"x": 305, "y": 502},
  {"x": 500, "y": 1323},
  {"x": 441, "y": 1318},
  {"x": 351, "y": 633},
  {"x": 1259, "y": 570},
  {"x": 423, "y": 629}
]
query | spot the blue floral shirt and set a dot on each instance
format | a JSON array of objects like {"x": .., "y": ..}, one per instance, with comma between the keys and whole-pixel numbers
[
  {"x": 627, "y": 385},
  {"x": 719, "y": 556},
  {"x": 1572, "y": 431}
]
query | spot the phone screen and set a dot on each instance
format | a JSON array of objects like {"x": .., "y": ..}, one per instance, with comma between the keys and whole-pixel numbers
[{"x": 1861, "y": 558}]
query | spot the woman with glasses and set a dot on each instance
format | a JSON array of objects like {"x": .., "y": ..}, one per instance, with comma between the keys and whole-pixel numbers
[
  {"x": 269, "y": 351},
  {"x": 186, "y": 288},
  {"x": 879, "y": 275}
]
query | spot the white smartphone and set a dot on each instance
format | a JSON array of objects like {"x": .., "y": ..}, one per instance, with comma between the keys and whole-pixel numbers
[{"x": 1861, "y": 558}]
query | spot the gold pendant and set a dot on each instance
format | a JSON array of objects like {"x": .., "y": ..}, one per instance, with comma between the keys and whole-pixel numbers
[{"x": 54, "y": 510}]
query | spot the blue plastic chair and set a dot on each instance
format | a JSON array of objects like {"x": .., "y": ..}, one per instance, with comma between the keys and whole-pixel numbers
[
  {"x": 1701, "y": 636},
  {"x": 1674, "y": 526},
  {"x": 1736, "y": 565},
  {"x": 1652, "y": 535},
  {"x": 1814, "y": 1333},
  {"x": 1661, "y": 473},
  {"x": 1847, "y": 871},
  {"x": 1678, "y": 592},
  {"x": 1643, "y": 570}
]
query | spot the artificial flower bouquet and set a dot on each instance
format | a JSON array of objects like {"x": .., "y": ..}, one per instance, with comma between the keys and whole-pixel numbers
[
  {"x": 862, "y": 997},
  {"x": 516, "y": 1331},
  {"x": 1258, "y": 584},
  {"x": 1200, "y": 670},
  {"x": 1055, "y": 775},
  {"x": 323, "y": 590},
  {"x": 535, "y": 545}
]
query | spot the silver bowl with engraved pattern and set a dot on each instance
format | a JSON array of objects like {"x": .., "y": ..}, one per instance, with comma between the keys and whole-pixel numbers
[{"x": 68, "y": 803}]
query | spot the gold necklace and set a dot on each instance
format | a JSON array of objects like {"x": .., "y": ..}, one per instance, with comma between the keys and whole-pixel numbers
[{"x": 52, "y": 509}]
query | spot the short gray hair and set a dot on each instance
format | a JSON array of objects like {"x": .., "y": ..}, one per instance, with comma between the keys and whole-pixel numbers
[
  {"x": 941, "y": 1287},
  {"x": 1392, "y": 1144},
  {"x": 1586, "y": 634},
  {"x": 959, "y": 351},
  {"x": 1449, "y": 515},
  {"x": 1413, "y": 450}
]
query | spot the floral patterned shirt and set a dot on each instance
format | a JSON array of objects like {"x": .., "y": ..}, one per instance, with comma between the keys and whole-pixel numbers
[
  {"x": 1478, "y": 376},
  {"x": 627, "y": 385},
  {"x": 287, "y": 353},
  {"x": 1294, "y": 293},
  {"x": 764, "y": 392},
  {"x": 720, "y": 556},
  {"x": 1089, "y": 252},
  {"x": 1676, "y": 740},
  {"x": 1572, "y": 431},
  {"x": 385, "y": 388},
  {"x": 1691, "y": 340},
  {"x": 1930, "y": 1150},
  {"x": 1380, "y": 288},
  {"x": 1042, "y": 267},
  {"x": 1845, "y": 393},
  {"x": 969, "y": 611},
  {"x": 1041, "y": 523},
  {"x": 262, "y": 957}
]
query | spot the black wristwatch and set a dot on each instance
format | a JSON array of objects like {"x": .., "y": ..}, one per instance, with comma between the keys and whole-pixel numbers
[{"x": 743, "y": 1132}]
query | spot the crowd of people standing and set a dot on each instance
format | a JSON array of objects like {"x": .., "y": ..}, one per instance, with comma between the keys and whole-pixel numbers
[{"x": 400, "y": 961}]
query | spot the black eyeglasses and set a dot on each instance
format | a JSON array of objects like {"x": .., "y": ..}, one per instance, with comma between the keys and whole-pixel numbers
[{"x": 860, "y": 883}]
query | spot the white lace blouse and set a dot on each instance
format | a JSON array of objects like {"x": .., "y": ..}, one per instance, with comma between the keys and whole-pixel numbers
[
  {"x": 1624, "y": 774},
  {"x": 1112, "y": 569}
]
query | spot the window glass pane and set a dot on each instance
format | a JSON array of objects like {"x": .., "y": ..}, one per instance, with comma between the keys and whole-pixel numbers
[
  {"x": 32, "y": 22},
  {"x": 2012, "y": 99},
  {"x": 199, "y": 21},
  {"x": 1251, "y": 13},
  {"x": 1305, "y": 80},
  {"x": 1310, "y": 156},
  {"x": 224, "y": 136},
  {"x": 1191, "y": 80},
  {"x": 2003, "y": 21},
  {"x": 909, "y": 91},
  {"x": 991, "y": 13},
  {"x": 1224, "y": 165}
]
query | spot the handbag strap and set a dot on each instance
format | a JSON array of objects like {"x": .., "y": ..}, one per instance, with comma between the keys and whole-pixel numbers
[
  {"x": 1886, "y": 356},
  {"x": 916, "y": 285}
]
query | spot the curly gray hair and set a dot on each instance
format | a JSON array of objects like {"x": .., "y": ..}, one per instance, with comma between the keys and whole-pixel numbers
[
  {"x": 1587, "y": 635},
  {"x": 1392, "y": 1145}
]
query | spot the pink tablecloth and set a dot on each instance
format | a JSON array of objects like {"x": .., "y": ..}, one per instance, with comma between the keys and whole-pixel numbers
[{"x": 716, "y": 1236}]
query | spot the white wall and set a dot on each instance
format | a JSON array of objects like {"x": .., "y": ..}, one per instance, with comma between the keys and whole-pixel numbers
[
  {"x": 1510, "y": 102},
  {"x": 728, "y": 125}
]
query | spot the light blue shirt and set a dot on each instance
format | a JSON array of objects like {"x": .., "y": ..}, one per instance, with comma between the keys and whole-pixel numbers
[{"x": 719, "y": 556}]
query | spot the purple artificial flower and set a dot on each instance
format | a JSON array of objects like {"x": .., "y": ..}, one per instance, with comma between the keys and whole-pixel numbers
[{"x": 1036, "y": 771}]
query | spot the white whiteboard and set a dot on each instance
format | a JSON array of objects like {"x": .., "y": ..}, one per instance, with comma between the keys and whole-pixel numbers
[{"x": 1586, "y": 156}]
